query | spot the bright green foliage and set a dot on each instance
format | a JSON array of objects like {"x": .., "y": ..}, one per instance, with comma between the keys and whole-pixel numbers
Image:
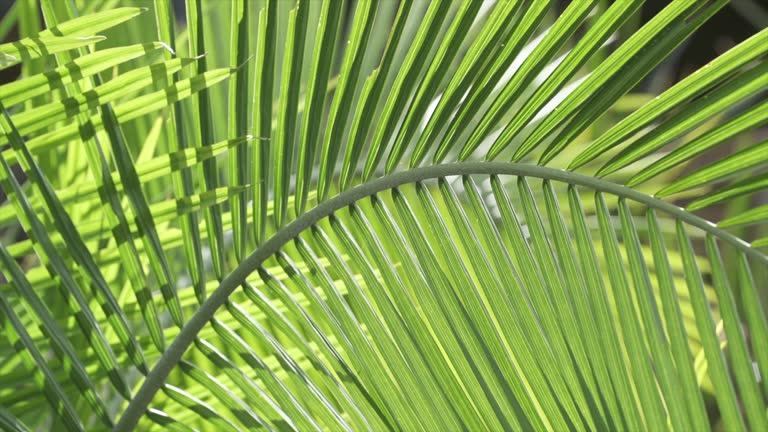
[{"x": 335, "y": 239}]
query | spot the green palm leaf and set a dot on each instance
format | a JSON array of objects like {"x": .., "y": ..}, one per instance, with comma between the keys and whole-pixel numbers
[{"x": 332, "y": 241}]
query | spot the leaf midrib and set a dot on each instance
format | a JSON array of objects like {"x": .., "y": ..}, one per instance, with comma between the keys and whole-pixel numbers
[{"x": 187, "y": 335}]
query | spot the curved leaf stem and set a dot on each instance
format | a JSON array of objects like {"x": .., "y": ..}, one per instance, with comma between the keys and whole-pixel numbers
[{"x": 186, "y": 336}]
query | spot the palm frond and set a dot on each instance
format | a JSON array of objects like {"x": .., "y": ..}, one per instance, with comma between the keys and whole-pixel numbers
[
  {"x": 474, "y": 281},
  {"x": 336, "y": 240}
]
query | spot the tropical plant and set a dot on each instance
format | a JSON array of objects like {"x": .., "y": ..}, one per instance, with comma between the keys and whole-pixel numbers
[{"x": 447, "y": 215}]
